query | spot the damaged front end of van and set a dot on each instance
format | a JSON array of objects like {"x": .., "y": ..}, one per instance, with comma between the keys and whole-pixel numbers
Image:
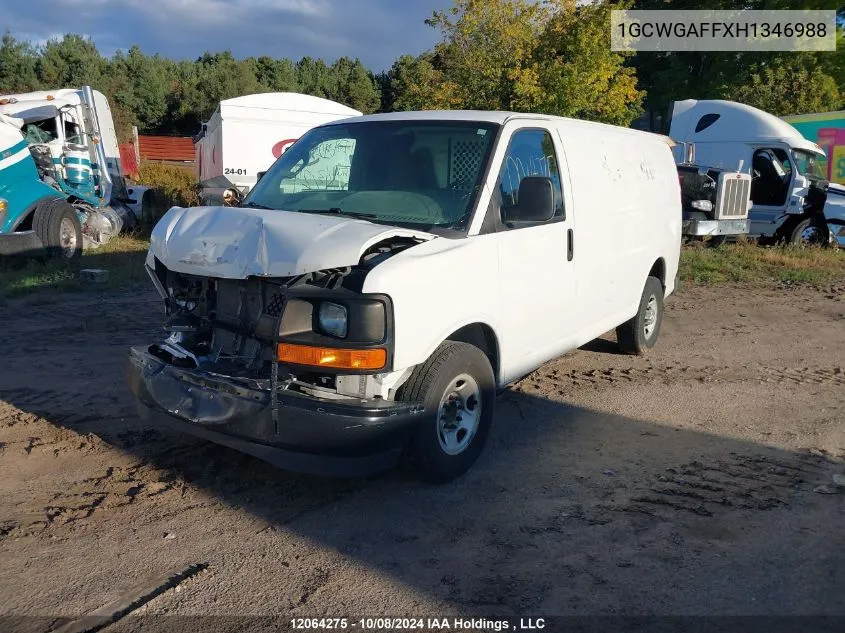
[{"x": 270, "y": 345}]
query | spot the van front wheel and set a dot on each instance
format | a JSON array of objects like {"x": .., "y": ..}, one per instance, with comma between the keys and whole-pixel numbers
[
  {"x": 457, "y": 389},
  {"x": 640, "y": 333}
]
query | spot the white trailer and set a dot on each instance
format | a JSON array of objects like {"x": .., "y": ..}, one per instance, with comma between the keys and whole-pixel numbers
[{"x": 245, "y": 135}]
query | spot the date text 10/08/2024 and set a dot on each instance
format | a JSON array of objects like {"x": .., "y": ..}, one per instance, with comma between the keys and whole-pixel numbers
[{"x": 424, "y": 624}]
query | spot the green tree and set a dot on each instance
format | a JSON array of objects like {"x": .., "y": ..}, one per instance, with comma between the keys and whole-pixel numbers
[
  {"x": 18, "y": 61},
  {"x": 778, "y": 87},
  {"x": 412, "y": 83},
  {"x": 150, "y": 79},
  {"x": 213, "y": 78},
  {"x": 552, "y": 57},
  {"x": 487, "y": 54},
  {"x": 276, "y": 75},
  {"x": 355, "y": 85},
  {"x": 69, "y": 62},
  {"x": 315, "y": 78},
  {"x": 115, "y": 83},
  {"x": 672, "y": 76},
  {"x": 577, "y": 73},
  {"x": 833, "y": 62}
]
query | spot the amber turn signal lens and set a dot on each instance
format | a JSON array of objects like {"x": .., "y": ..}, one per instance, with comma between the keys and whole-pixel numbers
[{"x": 332, "y": 357}]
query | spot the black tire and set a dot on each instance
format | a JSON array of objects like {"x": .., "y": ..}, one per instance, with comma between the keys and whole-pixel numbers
[
  {"x": 430, "y": 384},
  {"x": 821, "y": 236},
  {"x": 148, "y": 219},
  {"x": 632, "y": 335},
  {"x": 57, "y": 226}
]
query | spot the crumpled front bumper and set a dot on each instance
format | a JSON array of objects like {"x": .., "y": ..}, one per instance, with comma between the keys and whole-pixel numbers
[
  {"x": 315, "y": 436},
  {"x": 715, "y": 227}
]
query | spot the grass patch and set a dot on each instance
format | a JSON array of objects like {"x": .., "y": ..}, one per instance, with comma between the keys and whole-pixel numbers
[
  {"x": 174, "y": 186},
  {"x": 123, "y": 257},
  {"x": 747, "y": 262}
]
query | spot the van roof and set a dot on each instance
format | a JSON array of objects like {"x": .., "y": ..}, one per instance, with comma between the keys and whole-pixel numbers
[{"x": 493, "y": 116}]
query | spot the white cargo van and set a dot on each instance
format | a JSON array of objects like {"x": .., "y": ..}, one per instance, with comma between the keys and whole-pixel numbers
[{"x": 390, "y": 272}]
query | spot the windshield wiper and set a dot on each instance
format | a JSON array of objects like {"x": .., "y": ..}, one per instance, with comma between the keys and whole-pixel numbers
[
  {"x": 339, "y": 211},
  {"x": 255, "y": 205}
]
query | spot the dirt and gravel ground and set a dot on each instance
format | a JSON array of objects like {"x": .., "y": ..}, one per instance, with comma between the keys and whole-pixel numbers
[{"x": 686, "y": 482}]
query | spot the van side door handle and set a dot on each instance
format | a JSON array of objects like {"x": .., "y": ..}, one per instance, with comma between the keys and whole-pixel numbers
[{"x": 570, "y": 245}]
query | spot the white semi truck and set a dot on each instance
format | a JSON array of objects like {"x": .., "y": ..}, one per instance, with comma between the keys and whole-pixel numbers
[
  {"x": 61, "y": 183},
  {"x": 245, "y": 135},
  {"x": 791, "y": 201}
]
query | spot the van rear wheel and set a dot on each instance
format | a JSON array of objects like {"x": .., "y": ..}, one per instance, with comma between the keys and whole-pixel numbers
[
  {"x": 640, "y": 333},
  {"x": 457, "y": 389}
]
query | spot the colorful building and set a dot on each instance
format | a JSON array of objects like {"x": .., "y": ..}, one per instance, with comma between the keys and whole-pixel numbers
[{"x": 826, "y": 129}]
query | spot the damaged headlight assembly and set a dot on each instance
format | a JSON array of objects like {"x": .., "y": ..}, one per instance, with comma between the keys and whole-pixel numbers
[
  {"x": 351, "y": 334},
  {"x": 332, "y": 319}
]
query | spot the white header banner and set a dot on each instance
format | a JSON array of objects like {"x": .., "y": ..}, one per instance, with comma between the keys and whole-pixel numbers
[{"x": 735, "y": 30}]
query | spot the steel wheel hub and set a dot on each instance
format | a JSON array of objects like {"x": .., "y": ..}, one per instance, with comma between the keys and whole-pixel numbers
[
  {"x": 650, "y": 319},
  {"x": 67, "y": 237},
  {"x": 458, "y": 414},
  {"x": 810, "y": 235}
]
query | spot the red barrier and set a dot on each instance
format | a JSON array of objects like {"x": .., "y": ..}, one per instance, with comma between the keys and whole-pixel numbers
[{"x": 127, "y": 159}]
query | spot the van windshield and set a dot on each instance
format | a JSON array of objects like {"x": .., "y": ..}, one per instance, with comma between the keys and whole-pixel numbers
[
  {"x": 808, "y": 163},
  {"x": 418, "y": 174}
]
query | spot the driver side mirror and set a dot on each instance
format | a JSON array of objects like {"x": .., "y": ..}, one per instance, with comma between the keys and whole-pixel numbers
[
  {"x": 259, "y": 175},
  {"x": 536, "y": 201},
  {"x": 232, "y": 197}
]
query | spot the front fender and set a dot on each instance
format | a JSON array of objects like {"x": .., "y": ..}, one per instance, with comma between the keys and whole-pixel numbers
[
  {"x": 21, "y": 187},
  {"x": 136, "y": 199},
  {"x": 834, "y": 213},
  {"x": 834, "y": 209},
  {"x": 437, "y": 288}
]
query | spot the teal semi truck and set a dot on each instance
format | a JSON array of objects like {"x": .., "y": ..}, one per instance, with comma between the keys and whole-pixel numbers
[{"x": 62, "y": 188}]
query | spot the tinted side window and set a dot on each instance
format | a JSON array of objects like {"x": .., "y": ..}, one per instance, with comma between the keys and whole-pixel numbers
[
  {"x": 530, "y": 153},
  {"x": 771, "y": 177},
  {"x": 706, "y": 121}
]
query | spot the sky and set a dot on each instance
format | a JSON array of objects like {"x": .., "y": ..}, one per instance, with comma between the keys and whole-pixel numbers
[{"x": 376, "y": 31}]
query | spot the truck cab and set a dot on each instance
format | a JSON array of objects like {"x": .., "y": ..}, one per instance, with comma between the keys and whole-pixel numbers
[
  {"x": 61, "y": 181},
  {"x": 791, "y": 200}
]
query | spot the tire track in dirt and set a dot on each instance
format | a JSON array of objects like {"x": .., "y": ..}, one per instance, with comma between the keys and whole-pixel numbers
[
  {"x": 707, "y": 488},
  {"x": 108, "y": 490},
  {"x": 741, "y": 482},
  {"x": 556, "y": 376},
  {"x": 173, "y": 472}
]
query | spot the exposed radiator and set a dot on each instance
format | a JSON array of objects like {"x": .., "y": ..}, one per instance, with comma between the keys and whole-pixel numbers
[{"x": 732, "y": 195}]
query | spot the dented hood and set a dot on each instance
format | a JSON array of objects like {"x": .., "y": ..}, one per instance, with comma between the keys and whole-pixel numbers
[{"x": 236, "y": 243}]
